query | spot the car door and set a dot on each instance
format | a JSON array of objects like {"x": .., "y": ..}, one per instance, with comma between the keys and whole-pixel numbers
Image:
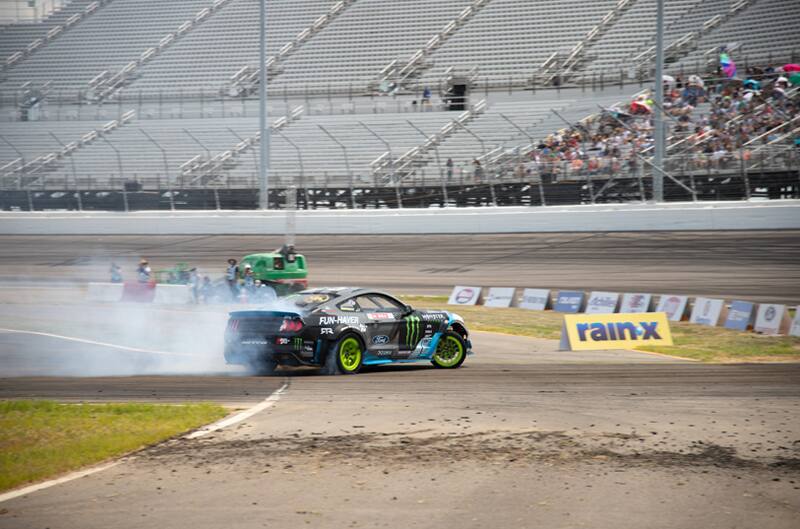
[{"x": 383, "y": 325}]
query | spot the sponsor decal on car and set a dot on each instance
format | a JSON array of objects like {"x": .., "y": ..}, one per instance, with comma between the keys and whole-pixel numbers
[
  {"x": 421, "y": 347},
  {"x": 255, "y": 342},
  {"x": 434, "y": 316},
  {"x": 412, "y": 330},
  {"x": 326, "y": 330},
  {"x": 380, "y": 315},
  {"x": 338, "y": 320},
  {"x": 380, "y": 340}
]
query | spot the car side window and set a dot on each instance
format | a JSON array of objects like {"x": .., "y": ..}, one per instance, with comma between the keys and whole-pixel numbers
[
  {"x": 387, "y": 303},
  {"x": 367, "y": 304},
  {"x": 349, "y": 305}
]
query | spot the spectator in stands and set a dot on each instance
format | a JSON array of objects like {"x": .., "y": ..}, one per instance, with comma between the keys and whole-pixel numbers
[
  {"x": 478, "y": 171},
  {"x": 143, "y": 272},
  {"x": 449, "y": 165}
]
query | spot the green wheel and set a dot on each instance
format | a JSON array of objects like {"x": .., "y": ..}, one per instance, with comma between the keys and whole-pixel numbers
[
  {"x": 450, "y": 351},
  {"x": 345, "y": 356}
]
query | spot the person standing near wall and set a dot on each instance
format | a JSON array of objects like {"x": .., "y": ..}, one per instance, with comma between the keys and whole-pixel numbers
[{"x": 231, "y": 275}]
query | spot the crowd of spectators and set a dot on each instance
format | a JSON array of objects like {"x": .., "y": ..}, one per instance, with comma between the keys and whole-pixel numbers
[{"x": 711, "y": 124}]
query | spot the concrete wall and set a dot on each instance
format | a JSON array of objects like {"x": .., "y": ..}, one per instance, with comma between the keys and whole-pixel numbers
[{"x": 756, "y": 215}]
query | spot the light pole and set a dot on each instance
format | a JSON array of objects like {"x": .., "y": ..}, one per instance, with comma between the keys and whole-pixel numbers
[
  {"x": 658, "y": 115},
  {"x": 263, "y": 166}
]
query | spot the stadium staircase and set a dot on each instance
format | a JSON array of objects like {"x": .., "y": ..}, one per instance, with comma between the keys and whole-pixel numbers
[
  {"x": 385, "y": 168},
  {"x": 558, "y": 68},
  {"x": 684, "y": 44},
  {"x": 246, "y": 80},
  {"x": 19, "y": 41},
  {"x": 21, "y": 173},
  {"x": 201, "y": 170},
  {"x": 763, "y": 31},
  {"x": 396, "y": 75},
  {"x": 105, "y": 84}
]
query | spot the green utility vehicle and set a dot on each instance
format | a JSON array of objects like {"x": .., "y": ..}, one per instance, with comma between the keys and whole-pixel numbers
[
  {"x": 177, "y": 275},
  {"x": 284, "y": 269}
]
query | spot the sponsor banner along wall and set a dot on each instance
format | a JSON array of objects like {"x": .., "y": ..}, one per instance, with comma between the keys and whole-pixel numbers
[
  {"x": 772, "y": 319},
  {"x": 535, "y": 299},
  {"x": 707, "y": 311},
  {"x": 636, "y": 302},
  {"x": 499, "y": 297},
  {"x": 463, "y": 295},
  {"x": 585, "y": 332},
  {"x": 794, "y": 330},
  {"x": 602, "y": 303},
  {"x": 741, "y": 315},
  {"x": 569, "y": 301},
  {"x": 673, "y": 306}
]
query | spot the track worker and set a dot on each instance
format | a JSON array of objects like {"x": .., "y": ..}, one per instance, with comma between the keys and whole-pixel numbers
[
  {"x": 231, "y": 275},
  {"x": 143, "y": 272}
]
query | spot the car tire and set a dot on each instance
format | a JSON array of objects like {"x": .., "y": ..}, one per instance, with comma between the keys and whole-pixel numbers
[
  {"x": 451, "y": 351},
  {"x": 345, "y": 357}
]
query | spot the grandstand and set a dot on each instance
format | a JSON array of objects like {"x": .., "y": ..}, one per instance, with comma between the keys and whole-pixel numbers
[{"x": 161, "y": 95}]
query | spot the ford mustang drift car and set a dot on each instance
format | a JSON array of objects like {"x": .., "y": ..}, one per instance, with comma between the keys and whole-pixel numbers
[{"x": 341, "y": 330}]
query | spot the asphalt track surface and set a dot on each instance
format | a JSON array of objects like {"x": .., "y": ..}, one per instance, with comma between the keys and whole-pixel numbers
[
  {"x": 758, "y": 265},
  {"x": 521, "y": 436}
]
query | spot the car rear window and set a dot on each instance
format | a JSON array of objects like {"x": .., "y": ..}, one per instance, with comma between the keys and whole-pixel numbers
[{"x": 308, "y": 301}]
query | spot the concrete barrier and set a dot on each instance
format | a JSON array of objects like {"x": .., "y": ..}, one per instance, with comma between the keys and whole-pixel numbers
[
  {"x": 172, "y": 295},
  {"x": 755, "y": 215},
  {"x": 105, "y": 292}
]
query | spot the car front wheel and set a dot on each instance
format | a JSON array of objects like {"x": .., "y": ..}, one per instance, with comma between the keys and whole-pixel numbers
[{"x": 450, "y": 351}]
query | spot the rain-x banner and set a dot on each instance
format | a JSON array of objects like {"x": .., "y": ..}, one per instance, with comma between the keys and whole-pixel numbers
[{"x": 586, "y": 332}]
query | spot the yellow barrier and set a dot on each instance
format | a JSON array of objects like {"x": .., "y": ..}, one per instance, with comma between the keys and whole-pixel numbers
[{"x": 581, "y": 332}]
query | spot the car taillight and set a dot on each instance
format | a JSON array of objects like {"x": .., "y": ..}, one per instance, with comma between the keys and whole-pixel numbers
[
  {"x": 233, "y": 325},
  {"x": 290, "y": 325}
]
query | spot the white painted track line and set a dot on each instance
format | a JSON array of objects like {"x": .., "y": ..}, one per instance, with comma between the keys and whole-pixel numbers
[
  {"x": 92, "y": 342},
  {"x": 53, "y": 482},
  {"x": 239, "y": 417}
]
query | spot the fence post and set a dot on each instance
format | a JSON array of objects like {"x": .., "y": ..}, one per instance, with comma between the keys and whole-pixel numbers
[
  {"x": 74, "y": 173},
  {"x": 395, "y": 181},
  {"x": 166, "y": 169},
  {"x": 346, "y": 162},
  {"x": 746, "y": 178}
]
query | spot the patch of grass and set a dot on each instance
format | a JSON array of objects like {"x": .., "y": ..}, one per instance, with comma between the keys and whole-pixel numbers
[
  {"x": 697, "y": 342},
  {"x": 40, "y": 439}
]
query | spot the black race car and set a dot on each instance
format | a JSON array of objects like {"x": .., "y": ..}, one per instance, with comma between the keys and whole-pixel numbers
[{"x": 341, "y": 330}]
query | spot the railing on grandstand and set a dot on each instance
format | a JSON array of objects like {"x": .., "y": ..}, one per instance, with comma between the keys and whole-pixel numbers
[
  {"x": 65, "y": 105},
  {"x": 769, "y": 171}
]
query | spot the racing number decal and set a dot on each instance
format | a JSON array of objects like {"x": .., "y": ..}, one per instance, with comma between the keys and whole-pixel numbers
[{"x": 412, "y": 331}]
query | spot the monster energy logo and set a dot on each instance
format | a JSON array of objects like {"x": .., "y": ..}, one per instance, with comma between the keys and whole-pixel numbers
[
  {"x": 297, "y": 343},
  {"x": 412, "y": 331}
]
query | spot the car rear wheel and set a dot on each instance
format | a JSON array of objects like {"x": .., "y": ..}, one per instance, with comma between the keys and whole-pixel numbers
[
  {"x": 346, "y": 357},
  {"x": 450, "y": 351}
]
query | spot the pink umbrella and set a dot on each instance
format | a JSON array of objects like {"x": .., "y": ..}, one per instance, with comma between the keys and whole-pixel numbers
[{"x": 791, "y": 67}]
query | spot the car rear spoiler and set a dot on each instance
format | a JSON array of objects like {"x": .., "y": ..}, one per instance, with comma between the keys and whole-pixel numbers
[{"x": 263, "y": 313}]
